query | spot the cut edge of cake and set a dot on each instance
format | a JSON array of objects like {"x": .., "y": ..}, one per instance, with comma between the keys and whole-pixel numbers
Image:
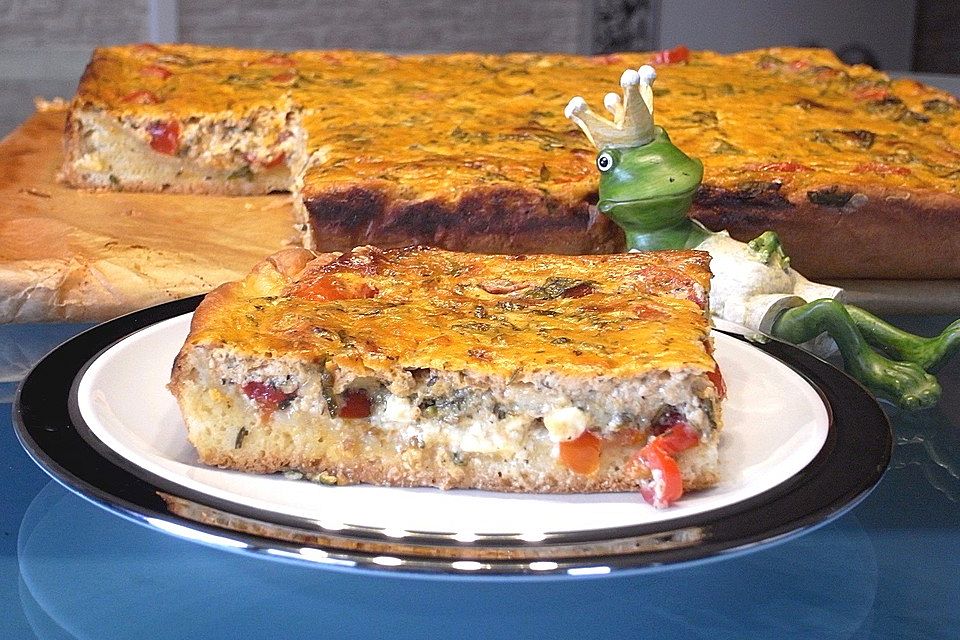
[{"x": 285, "y": 414}]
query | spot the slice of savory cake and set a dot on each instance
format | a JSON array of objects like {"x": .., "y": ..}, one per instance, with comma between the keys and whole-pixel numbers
[
  {"x": 184, "y": 119},
  {"x": 423, "y": 367}
]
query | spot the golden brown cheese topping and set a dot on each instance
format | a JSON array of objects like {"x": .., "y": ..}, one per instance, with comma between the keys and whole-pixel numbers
[
  {"x": 435, "y": 125},
  {"x": 615, "y": 315}
]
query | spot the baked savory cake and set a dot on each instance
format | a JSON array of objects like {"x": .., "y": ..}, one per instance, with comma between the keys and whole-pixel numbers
[
  {"x": 423, "y": 367},
  {"x": 472, "y": 152},
  {"x": 184, "y": 119}
]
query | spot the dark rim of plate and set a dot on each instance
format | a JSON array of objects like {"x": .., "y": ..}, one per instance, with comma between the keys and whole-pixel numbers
[{"x": 49, "y": 426}]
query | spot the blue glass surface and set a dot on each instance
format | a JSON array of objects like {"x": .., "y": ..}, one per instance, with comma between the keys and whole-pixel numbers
[{"x": 888, "y": 569}]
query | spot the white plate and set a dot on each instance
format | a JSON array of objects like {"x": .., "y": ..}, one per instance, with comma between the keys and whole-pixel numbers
[{"x": 775, "y": 423}]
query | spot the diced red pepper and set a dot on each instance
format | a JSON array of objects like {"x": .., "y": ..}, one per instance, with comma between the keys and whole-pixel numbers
[
  {"x": 672, "y": 56},
  {"x": 354, "y": 403},
  {"x": 156, "y": 71},
  {"x": 141, "y": 96},
  {"x": 267, "y": 396},
  {"x": 582, "y": 454},
  {"x": 164, "y": 136}
]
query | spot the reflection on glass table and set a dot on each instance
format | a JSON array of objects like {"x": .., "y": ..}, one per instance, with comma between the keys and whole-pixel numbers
[
  {"x": 888, "y": 569},
  {"x": 112, "y": 578}
]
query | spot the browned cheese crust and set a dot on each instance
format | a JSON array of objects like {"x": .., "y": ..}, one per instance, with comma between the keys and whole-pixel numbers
[
  {"x": 858, "y": 173},
  {"x": 470, "y": 367}
]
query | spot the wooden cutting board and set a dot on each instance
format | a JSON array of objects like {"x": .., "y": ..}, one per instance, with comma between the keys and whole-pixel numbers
[{"x": 68, "y": 255}]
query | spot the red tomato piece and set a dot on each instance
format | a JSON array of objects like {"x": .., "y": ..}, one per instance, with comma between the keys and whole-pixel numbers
[
  {"x": 665, "y": 484},
  {"x": 164, "y": 136},
  {"x": 327, "y": 288},
  {"x": 871, "y": 93},
  {"x": 646, "y": 312},
  {"x": 284, "y": 77},
  {"x": 141, "y": 96},
  {"x": 266, "y": 395},
  {"x": 156, "y": 71},
  {"x": 788, "y": 167},
  {"x": 274, "y": 161},
  {"x": 717, "y": 379},
  {"x": 679, "y": 437},
  {"x": 697, "y": 297},
  {"x": 278, "y": 60},
  {"x": 672, "y": 56},
  {"x": 354, "y": 403},
  {"x": 268, "y": 162},
  {"x": 578, "y": 290},
  {"x": 582, "y": 454}
]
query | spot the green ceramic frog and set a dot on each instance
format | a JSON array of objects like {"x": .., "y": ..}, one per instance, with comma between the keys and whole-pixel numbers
[{"x": 647, "y": 186}]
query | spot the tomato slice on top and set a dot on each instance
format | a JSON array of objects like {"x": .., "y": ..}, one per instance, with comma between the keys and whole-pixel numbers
[{"x": 672, "y": 56}]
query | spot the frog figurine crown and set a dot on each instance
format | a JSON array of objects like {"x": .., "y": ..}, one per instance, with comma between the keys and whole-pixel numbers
[{"x": 632, "y": 124}]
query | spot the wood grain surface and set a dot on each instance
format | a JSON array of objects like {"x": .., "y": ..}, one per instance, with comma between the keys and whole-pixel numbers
[{"x": 69, "y": 255}]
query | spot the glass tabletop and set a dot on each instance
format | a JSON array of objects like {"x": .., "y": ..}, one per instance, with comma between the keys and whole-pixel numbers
[{"x": 890, "y": 568}]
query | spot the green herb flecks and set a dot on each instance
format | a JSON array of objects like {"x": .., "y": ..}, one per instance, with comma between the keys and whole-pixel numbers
[{"x": 241, "y": 435}]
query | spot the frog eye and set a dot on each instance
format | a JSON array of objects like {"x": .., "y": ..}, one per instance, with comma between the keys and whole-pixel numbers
[{"x": 605, "y": 161}]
